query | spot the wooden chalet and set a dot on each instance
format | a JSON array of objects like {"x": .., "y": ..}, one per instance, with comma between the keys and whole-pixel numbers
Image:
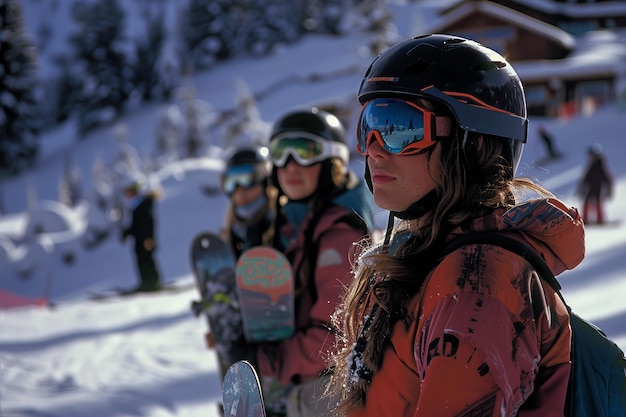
[{"x": 570, "y": 55}]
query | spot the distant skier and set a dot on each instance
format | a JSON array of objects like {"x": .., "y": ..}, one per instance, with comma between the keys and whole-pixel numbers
[
  {"x": 141, "y": 228},
  {"x": 596, "y": 185},
  {"x": 548, "y": 141}
]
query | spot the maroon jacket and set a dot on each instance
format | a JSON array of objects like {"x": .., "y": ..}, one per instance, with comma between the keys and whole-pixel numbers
[
  {"x": 597, "y": 181},
  {"x": 304, "y": 356}
]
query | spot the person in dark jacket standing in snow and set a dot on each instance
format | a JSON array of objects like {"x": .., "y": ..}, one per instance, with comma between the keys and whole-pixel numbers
[
  {"x": 141, "y": 227},
  {"x": 595, "y": 186}
]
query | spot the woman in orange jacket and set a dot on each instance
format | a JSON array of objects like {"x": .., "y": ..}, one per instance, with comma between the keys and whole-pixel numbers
[{"x": 475, "y": 332}]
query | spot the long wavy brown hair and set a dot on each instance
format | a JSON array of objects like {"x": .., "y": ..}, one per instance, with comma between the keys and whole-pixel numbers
[{"x": 473, "y": 180}]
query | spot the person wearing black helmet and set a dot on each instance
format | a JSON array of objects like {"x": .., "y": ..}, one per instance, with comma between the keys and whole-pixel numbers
[
  {"x": 245, "y": 180},
  {"x": 322, "y": 209},
  {"x": 474, "y": 331}
]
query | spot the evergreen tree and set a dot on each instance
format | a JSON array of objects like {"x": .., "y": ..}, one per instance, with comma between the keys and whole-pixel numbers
[
  {"x": 325, "y": 16},
  {"x": 64, "y": 98},
  {"x": 100, "y": 200},
  {"x": 127, "y": 159},
  {"x": 208, "y": 31},
  {"x": 198, "y": 117},
  {"x": 268, "y": 23},
  {"x": 245, "y": 126},
  {"x": 379, "y": 20},
  {"x": 19, "y": 124},
  {"x": 69, "y": 192},
  {"x": 147, "y": 79},
  {"x": 168, "y": 132},
  {"x": 99, "y": 48}
]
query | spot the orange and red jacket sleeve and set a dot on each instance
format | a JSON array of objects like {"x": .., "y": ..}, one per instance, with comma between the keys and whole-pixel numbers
[{"x": 484, "y": 346}]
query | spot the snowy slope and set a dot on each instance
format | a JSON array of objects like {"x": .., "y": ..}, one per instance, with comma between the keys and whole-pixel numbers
[{"x": 145, "y": 355}]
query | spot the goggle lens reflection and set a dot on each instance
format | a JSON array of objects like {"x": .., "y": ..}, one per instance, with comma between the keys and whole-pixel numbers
[
  {"x": 243, "y": 176},
  {"x": 399, "y": 126}
]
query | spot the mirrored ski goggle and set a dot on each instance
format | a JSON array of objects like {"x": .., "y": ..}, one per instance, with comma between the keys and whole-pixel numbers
[
  {"x": 399, "y": 126},
  {"x": 306, "y": 149},
  {"x": 244, "y": 176}
]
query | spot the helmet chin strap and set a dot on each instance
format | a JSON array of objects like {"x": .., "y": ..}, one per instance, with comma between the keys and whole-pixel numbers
[
  {"x": 415, "y": 210},
  {"x": 419, "y": 208}
]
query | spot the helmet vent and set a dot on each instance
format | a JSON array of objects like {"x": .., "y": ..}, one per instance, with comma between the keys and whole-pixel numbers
[
  {"x": 416, "y": 67},
  {"x": 486, "y": 66},
  {"x": 454, "y": 41}
]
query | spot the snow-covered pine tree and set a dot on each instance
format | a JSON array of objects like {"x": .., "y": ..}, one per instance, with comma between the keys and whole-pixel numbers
[
  {"x": 70, "y": 192},
  {"x": 102, "y": 185},
  {"x": 147, "y": 78},
  {"x": 31, "y": 195},
  {"x": 63, "y": 95},
  {"x": 198, "y": 115},
  {"x": 325, "y": 16},
  {"x": 100, "y": 54},
  {"x": 63, "y": 193},
  {"x": 99, "y": 198},
  {"x": 168, "y": 132},
  {"x": 264, "y": 24},
  {"x": 208, "y": 30},
  {"x": 19, "y": 122},
  {"x": 379, "y": 20},
  {"x": 244, "y": 125},
  {"x": 127, "y": 158}
]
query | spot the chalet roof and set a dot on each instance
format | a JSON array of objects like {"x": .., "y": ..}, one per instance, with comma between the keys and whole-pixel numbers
[
  {"x": 597, "y": 53},
  {"x": 506, "y": 15},
  {"x": 576, "y": 10}
]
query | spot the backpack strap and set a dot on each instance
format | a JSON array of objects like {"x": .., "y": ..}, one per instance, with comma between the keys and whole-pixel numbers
[{"x": 510, "y": 244}]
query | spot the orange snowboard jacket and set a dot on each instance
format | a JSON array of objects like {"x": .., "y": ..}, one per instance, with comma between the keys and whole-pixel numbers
[{"x": 487, "y": 336}]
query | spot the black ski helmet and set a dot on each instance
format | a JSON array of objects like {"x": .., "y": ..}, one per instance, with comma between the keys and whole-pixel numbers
[
  {"x": 250, "y": 156},
  {"x": 317, "y": 122},
  {"x": 478, "y": 85},
  {"x": 258, "y": 157},
  {"x": 323, "y": 125}
]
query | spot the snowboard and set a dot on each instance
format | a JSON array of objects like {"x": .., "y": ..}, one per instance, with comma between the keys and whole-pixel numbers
[
  {"x": 241, "y": 392},
  {"x": 213, "y": 264},
  {"x": 265, "y": 290}
]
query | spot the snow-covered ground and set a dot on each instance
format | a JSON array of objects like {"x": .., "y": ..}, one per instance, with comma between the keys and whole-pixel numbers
[{"x": 145, "y": 355}]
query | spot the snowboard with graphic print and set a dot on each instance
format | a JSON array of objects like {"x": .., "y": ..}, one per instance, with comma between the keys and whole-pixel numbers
[
  {"x": 213, "y": 264},
  {"x": 265, "y": 289},
  {"x": 241, "y": 392}
]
